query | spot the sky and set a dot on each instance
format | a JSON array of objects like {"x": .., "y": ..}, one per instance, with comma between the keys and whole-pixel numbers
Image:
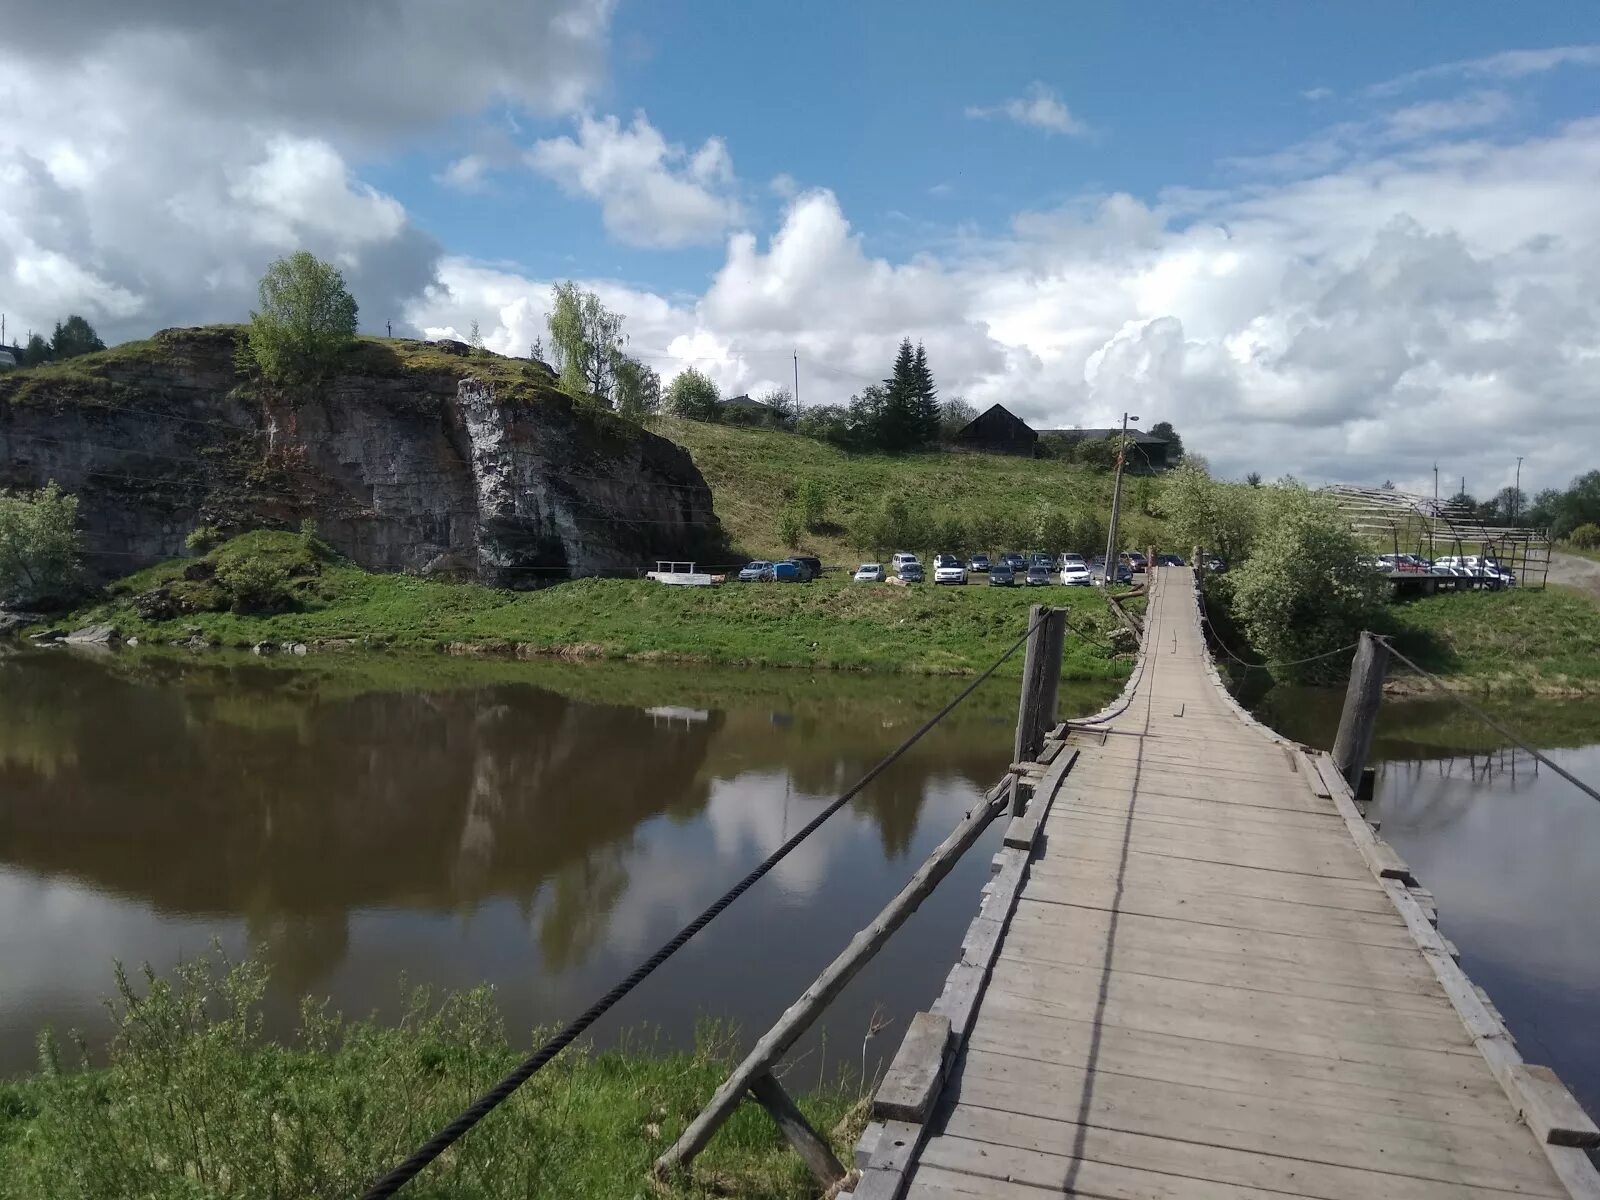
[{"x": 1344, "y": 242}]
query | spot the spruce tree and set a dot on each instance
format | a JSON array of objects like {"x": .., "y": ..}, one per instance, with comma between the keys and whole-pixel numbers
[
  {"x": 898, "y": 425},
  {"x": 927, "y": 406}
]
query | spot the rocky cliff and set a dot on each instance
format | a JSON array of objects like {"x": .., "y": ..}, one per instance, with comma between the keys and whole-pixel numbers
[{"x": 416, "y": 456}]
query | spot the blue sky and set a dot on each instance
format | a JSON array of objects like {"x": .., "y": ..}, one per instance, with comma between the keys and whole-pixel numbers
[{"x": 1339, "y": 240}]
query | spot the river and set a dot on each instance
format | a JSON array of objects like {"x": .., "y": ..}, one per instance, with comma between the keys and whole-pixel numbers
[
  {"x": 1510, "y": 850},
  {"x": 541, "y": 827}
]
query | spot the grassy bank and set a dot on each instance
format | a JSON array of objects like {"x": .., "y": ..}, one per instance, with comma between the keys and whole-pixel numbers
[
  {"x": 1532, "y": 640},
  {"x": 831, "y": 623},
  {"x": 194, "y": 1102},
  {"x": 752, "y": 472}
]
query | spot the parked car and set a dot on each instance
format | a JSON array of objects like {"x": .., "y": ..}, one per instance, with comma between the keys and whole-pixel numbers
[
  {"x": 1075, "y": 572},
  {"x": 814, "y": 565},
  {"x": 1136, "y": 560},
  {"x": 947, "y": 568},
  {"x": 1001, "y": 575},
  {"x": 901, "y": 558},
  {"x": 1409, "y": 564},
  {"x": 1216, "y": 564},
  {"x": 758, "y": 571},
  {"x": 789, "y": 571},
  {"x": 870, "y": 573},
  {"x": 1038, "y": 575},
  {"x": 1014, "y": 560},
  {"x": 978, "y": 562},
  {"x": 911, "y": 571},
  {"x": 1121, "y": 573},
  {"x": 1040, "y": 559},
  {"x": 1169, "y": 560}
]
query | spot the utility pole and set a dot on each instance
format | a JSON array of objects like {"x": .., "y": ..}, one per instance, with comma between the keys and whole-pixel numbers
[
  {"x": 1116, "y": 506},
  {"x": 797, "y": 408},
  {"x": 1516, "y": 490}
]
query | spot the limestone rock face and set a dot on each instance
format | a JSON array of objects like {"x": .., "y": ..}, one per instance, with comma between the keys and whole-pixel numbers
[{"x": 412, "y": 457}]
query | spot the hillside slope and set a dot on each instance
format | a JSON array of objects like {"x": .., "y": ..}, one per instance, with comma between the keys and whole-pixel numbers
[{"x": 754, "y": 474}]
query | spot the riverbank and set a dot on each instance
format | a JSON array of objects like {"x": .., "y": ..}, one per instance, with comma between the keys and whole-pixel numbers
[
  {"x": 831, "y": 623},
  {"x": 193, "y": 1101}
]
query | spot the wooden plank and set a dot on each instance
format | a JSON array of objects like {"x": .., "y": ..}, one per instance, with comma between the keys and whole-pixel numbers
[
  {"x": 810, "y": 1145},
  {"x": 1550, "y": 1110},
  {"x": 912, "y": 1082},
  {"x": 933, "y": 1181},
  {"x": 1023, "y": 830}
]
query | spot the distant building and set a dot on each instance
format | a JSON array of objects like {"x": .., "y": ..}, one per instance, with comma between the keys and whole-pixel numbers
[
  {"x": 742, "y": 410},
  {"x": 997, "y": 430}
]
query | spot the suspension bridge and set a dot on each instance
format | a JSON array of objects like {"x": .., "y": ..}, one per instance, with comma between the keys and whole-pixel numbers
[{"x": 1196, "y": 972}]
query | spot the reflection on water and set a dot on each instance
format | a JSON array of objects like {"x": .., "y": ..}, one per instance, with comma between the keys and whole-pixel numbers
[
  {"x": 1509, "y": 848},
  {"x": 483, "y": 830}
]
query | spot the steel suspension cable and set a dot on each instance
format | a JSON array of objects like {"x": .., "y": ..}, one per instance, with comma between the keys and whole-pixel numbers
[
  {"x": 1492, "y": 723},
  {"x": 495, "y": 1096}
]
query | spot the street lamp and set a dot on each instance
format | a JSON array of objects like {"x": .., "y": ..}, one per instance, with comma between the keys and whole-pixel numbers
[{"x": 1116, "y": 504}]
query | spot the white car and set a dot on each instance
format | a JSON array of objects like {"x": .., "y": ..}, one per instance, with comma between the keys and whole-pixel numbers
[
  {"x": 869, "y": 573},
  {"x": 901, "y": 558},
  {"x": 947, "y": 568},
  {"x": 1075, "y": 573}
]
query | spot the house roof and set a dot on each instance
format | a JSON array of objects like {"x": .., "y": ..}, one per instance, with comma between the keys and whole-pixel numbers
[
  {"x": 746, "y": 403},
  {"x": 986, "y": 417}
]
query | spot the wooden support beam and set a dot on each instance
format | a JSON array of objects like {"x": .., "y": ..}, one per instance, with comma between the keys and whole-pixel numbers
[
  {"x": 1550, "y": 1110},
  {"x": 914, "y": 1078},
  {"x": 810, "y": 1145},
  {"x": 1359, "y": 720},
  {"x": 804, "y": 1011}
]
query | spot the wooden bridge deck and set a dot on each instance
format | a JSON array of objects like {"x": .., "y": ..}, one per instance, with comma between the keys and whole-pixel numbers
[{"x": 1204, "y": 989}]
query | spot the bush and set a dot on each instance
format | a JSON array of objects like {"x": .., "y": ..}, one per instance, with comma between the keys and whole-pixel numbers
[
  {"x": 790, "y": 527},
  {"x": 1304, "y": 590},
  {"x": 306, "y": 320},
  {"x": 256, "y": 584},
  {"x": 38, "y": 545},
  {"x": 693, "y": 394},
  {"x": 829, "y": 423},
  {"x": 1586, "y": 536},
  {"x": 812, "y": 499},
  {"x": 204, "y": 539}
]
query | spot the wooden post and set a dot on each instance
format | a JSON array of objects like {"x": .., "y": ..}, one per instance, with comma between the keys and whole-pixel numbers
[
  {"x": 812, "y": 1147},
  {"x": 1359, "y": 720},
  {"x": 1035, "y": 669},
  {"x": 775, "y": 1043}
]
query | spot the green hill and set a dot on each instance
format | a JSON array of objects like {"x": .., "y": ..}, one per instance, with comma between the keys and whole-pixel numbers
[{"x": 954, "y": 500}]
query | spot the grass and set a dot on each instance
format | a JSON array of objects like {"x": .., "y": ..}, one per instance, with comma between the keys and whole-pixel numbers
[
  {"x": 194, "y": 1102},
  {"x": 753, "y": 472},
  {"x": 829, "y": 624},
  {"x": 1526, "y": 639}
]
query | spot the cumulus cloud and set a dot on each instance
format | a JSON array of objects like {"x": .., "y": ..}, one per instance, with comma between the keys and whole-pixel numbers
[
  {"x": 651, "y": 192},
  {"x": 1038, "y": 108}
]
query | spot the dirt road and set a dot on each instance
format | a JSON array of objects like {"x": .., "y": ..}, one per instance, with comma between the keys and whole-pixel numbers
[{"x": 1581, "y": 573}]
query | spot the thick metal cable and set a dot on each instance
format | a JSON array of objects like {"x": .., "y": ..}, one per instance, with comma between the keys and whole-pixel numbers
[
  {"x": 490, "y": 1100},
  {"x": 1492, "y": 723}
]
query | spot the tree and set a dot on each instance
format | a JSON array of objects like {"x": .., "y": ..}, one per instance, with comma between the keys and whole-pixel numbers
[
  {"x": 36, "y": 353},
  {"x": 899, "y": 424},
  {"x": 693, "y": 394},
  {"x": 1586, "y": 537},
  {"x": 827, "y": 423},
  {"x": 782, "y": 402},
  {"x": 73, "y": 337},
  {"x": 955, "y": 414},
  {"x": 638, "y": 389},
  {"x": 926, "y": 405},
  {"x": 1219, "y": 517},
  {"x": 474, "y": 336},
  {"x": 1253, "y": 479},
  {"x": 1165, "y": 431},
  {"x": 811, "y": 498},
  {"x": 790, "y": 527},
  {"x": 306, "y": 320},
  {"x": 585, "y": 341},
  {"x": 38, "y": 545}
]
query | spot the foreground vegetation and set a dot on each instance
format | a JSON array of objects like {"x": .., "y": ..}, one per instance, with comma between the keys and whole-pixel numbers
[
  {"x": 284, "y": 587},
  {"x": 195, "y": 1101}
]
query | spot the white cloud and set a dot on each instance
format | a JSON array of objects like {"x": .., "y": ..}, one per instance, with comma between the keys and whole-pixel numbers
[
  {"x": 1317, "y": 94},
  {"x": 651, "y": 192},
  {"x": 1509, "y": 64},
  {"x": 465, "y": 174},
  {"x": 1039, "y": 108},
  {"x": 1459, "y": 113}
]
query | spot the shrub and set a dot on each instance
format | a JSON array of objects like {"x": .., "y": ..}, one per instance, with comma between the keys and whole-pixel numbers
[
  {"x": 204, "y": 539},
  {"x": 38, "y": 545},
  {"x": 812, "y": 499},
  {"x": 1586, "y": 536},
  {"x": 256, "y": 584},
  {"x": 307, "y": 318},
  {"x": 790, "y": 527},
  {"x": 692, "y": 394}
]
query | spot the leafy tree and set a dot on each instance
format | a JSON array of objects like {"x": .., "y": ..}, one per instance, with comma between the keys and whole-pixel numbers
[
  {"x": 638, "y": 389},
  {"x": 827, "y": 423},
  {"x": 1165, "y": 431},
  {"x": 693, "y": 394},
  {"x": 1253, "y": 479},
  {"x": 307, "y": 318},
  {"x": 1217, "y": 516},
  {"x": 256, "y": 584},
  {"x": 36, "y": 353},
  {"x": 585, "y": 341},
  {"x": 1465, "y": 501},
  {"x": 1509, "y": 504},
  {"x": 73, "y": 337},
  {"x": 782, "y": 402},
  {"x": 955, "y": 414},
  {"x": 869, "y": 409},
  {"x": 790, "y": 527},
  {"x": 811, "y": 498},
  {"x": 38, "y": 545},
  {"x": 1585, "y": 536},
  {"x": 1304, "y": 590},
  {"x": 1098, "y": 453}
]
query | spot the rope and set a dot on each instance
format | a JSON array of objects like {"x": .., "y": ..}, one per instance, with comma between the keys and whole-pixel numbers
[
  {"x": 490, "y": 1100},
  {"x": 1205, "y": 616},
  {"x": 1492, "y": 723}
]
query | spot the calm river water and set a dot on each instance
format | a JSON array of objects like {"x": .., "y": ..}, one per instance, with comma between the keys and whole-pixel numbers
[
  {"x": 538, "y": 826},
  {"x": 1510, "y": 850}
]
